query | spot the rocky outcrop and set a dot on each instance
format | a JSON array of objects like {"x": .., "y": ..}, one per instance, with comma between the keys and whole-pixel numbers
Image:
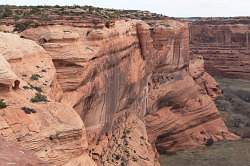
[
  {"x": 12, "y": 154},
  {"x": 7, "y": 76},
  {"x": 205, "y": 80},
  {"x": 33, "y": 119},
  {"x": 180, "y": 112},
  {"x": 103, "y": 76},
  {"x": 134, "y": 85},
  {"x": 224, "y": 44}
]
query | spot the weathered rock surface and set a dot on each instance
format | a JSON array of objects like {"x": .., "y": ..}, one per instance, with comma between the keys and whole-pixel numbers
[
  {"x": 180, "y": 113},
  {"x": 52, "y": 131},
  {"x": 103, "y": 76},
  {"x": 117, "y": 92},
  {"x": 224, "y": 44},
  {"x": 12, "y": 154},
  {"x": 139, "y": 71},
  {"x": 7, "y": 76}
]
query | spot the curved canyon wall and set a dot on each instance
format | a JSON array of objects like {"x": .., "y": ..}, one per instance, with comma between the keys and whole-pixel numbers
[
  {"x": 116, "y": 93},
  {"x": 224, "y": 44}
]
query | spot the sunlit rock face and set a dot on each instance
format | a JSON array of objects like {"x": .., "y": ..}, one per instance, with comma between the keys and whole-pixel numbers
[
  {"x": 180, "y": 111},
  {"x": 12, "y": 154},
  {"x": 135, "y": 87},
  {"x": 224, "y": 44},
  {"x": 32, "y": 117}
]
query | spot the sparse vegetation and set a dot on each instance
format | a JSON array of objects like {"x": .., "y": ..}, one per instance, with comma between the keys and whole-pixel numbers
[
  {"x": 2, "y": 104},
  {"x": 28, "y": 16},
  {"x": 5, "y": 11},
  {"x": 19, "y": 27},
  {"x": 220, "y": 154},
  {"x": 234, "y": 106},
  {"x": 43, "y": 70},
  {"x": 28, "y": 110},
  {"x": 38, "y": 89},
  {"x": 210, "y": 142},
  {"x": 35, "y": 77},
  {"x": 26, "y": 87},
  {"x": 39, "y": 98},
  {"x": 35, "y": 10}
]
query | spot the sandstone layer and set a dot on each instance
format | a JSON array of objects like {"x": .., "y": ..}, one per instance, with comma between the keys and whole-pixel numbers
[
  {"x": 134, "y": 69},
  {"x": 180, "y": 111},
  {"x": 224, "y": 44},
  {"x": 51, "y": 130},
  {"x": 106, "y": 92},
  {"x": 12, "y": 154}
]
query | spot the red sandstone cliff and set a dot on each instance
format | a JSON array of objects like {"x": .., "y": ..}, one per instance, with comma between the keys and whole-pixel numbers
[
  {"x": 224, "y": 44},
  {"x": 32, "y": 117},
  {"x": 119, "y": 92},
  {"x": 180, "y": 111}
]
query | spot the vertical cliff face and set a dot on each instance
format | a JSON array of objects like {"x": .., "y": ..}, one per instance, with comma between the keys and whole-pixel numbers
[
  {"x": 180, "y": 112},
  {"x": 120, "y": 91},
  {"x": 224, "y": 44},
  {"x": 103, "y": 76}
]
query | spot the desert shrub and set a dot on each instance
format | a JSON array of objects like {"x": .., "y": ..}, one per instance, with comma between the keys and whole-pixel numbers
[
  {"x": 26, "y": 87},
  {"x": 45, "y": 17},
  {"x": 39, "y": 98},
  {"x": 43, "y": 70},
  {"x": 2, "y": 104},
  {"x": 19, "y": 27},
  {"x": 5, "y": 12},
  {"x": 35, "y": 77},
  {"x": 38, "y": 89},
  {"x": 210, "y": 142},
  {"x": 76, "y": 6},
  {"x": 17, "y": 17},
  {"x": 34, "y": 10},
  {"x": 28, "y": 110}
]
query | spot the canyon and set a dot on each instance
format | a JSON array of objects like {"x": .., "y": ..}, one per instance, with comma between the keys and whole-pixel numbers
[
  {"x": 112, "y": 91},
  {"x": 224, "y": 44}
]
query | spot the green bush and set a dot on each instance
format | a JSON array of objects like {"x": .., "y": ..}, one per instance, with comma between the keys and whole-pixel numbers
[
  {"x": 28, "y": 110},
  {"x": 38, "y": 89},
  {"x": 39, "y": 98},
  {"x": 35, "y": 77},
  {"x": 2, "y": 104},
  {"x": 19, "y": 27}
]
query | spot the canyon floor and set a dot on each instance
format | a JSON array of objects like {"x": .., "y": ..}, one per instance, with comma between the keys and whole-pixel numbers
[
  {"x": 235, "y": 105},
  {"x": 234, "y": 108},
  {"x": 220, "y": 154}
]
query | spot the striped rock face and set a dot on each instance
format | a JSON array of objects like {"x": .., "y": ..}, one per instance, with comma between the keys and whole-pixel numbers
[
  {"x": 32, "y": 118},
  {"x": 12, "y": 154},
  {"x": 224, "y": 44},
  {"x": 133, "y": 85}
]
